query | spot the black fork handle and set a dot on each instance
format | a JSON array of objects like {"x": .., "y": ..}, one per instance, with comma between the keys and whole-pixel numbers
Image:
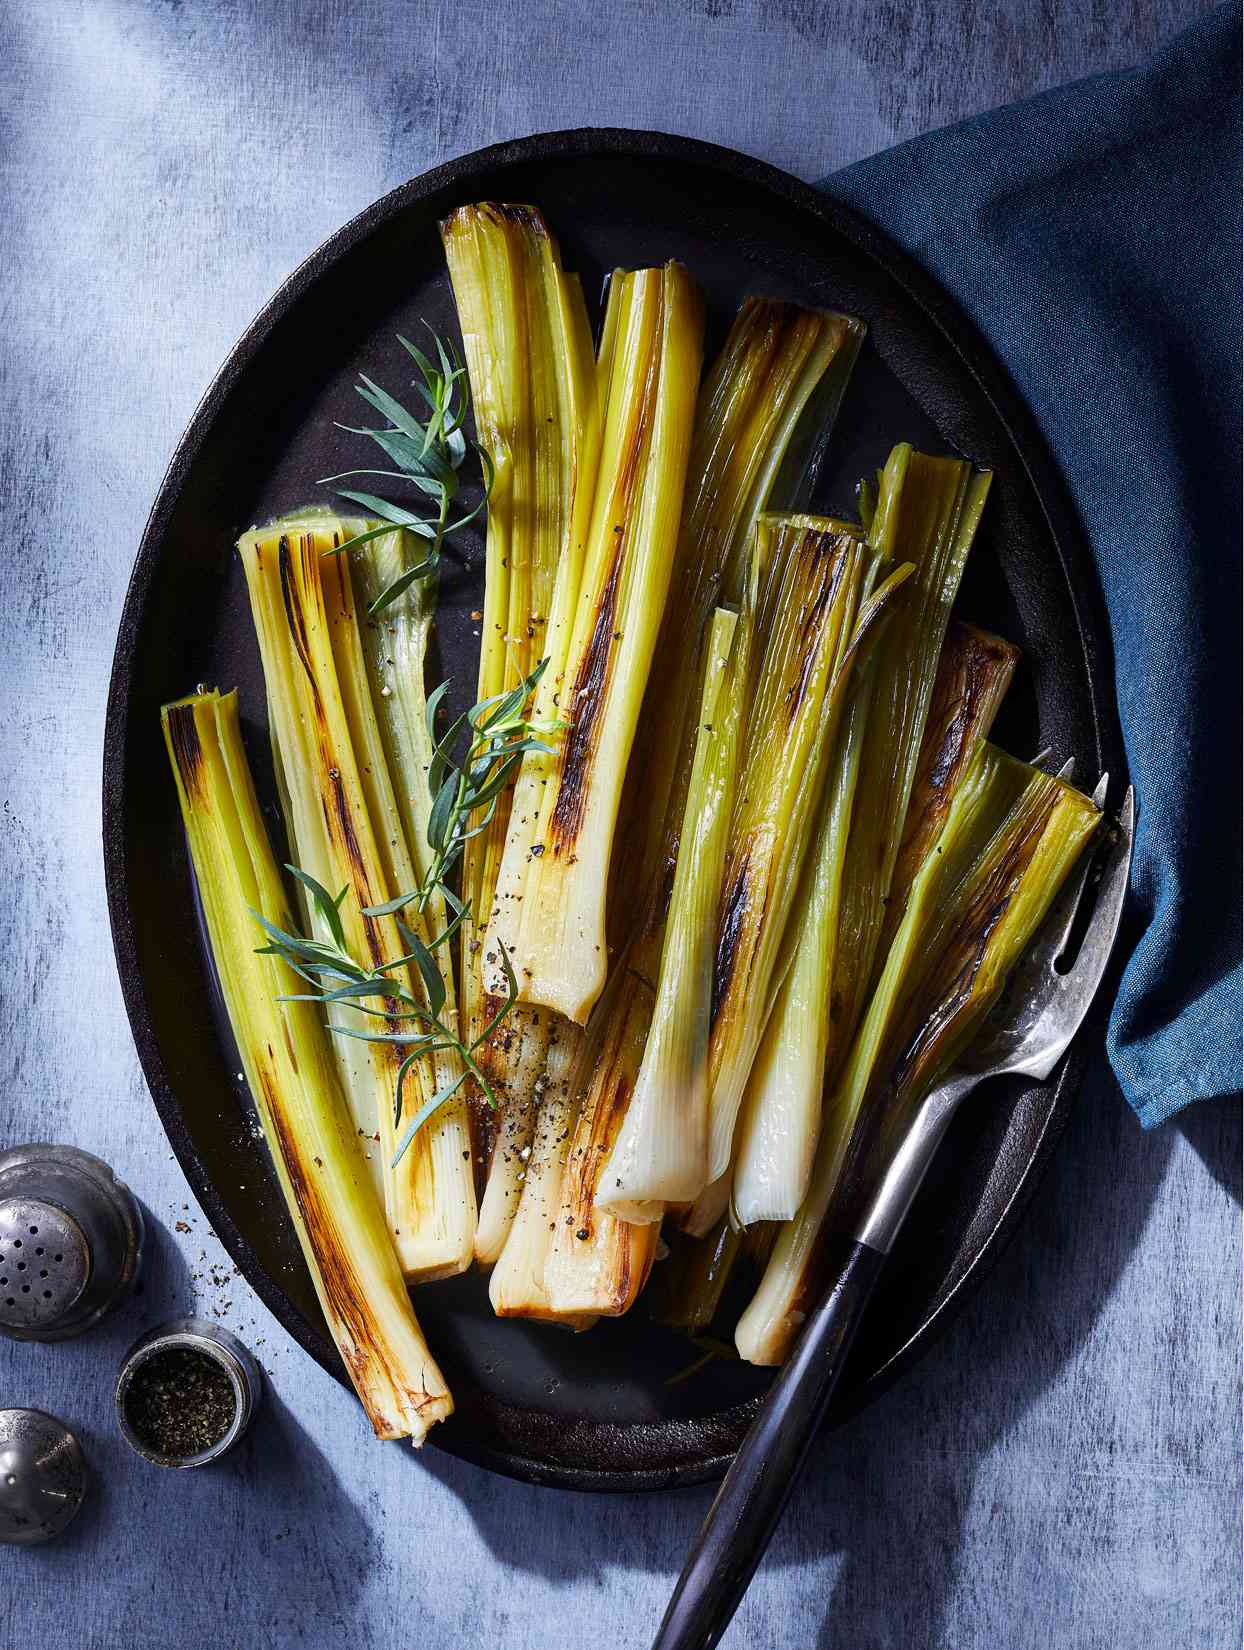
[{"x": 757, "y": 1487}]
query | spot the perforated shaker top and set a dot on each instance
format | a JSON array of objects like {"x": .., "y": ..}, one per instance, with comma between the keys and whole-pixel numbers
[{"x": 45, "y": 1263}]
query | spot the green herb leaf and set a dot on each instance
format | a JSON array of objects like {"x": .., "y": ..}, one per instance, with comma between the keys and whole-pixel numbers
[
  {"x": 442, "y": 760},
  {"x": 362, "y": 538},
  {"x": 404, "y": 452},
  {"x": 447, "y": 933},
  {"x": 390, "y": 906},
  {"x": 481, "y": 824},
  {"x": 443, "y": 807},
  {"x": 423, "y": 1114},
  {"x": 433, "y": 704},
  {"x": 392, "y": 410},
  {"x": 400, "y": 1039},
  {"x": 503, "y": 776},
  {"x": 345, "y": 993},
  {"x": 328, "y": 907},
  {"x": 399, "y": 586},
  {"x": 391, "y": 512},
  {"x": 433, "y": 980},
  {"x": 428, "y": 454}
]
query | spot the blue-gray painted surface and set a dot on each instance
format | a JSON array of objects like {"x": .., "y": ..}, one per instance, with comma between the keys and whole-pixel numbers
[{"x": 1064, "y": 1469}]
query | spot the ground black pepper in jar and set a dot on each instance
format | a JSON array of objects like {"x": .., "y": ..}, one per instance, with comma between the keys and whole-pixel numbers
[{"x": 180, "y": 1402}]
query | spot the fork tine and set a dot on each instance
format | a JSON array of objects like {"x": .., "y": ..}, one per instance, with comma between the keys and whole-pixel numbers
[
  {"x": 1041, "y": 1010},
  {"x": 1099, "y": 795},
  {"x": 1083, "y": 978},
  {"x": 1068, "y": 768},
  {"x": 1055, "y": 932},
  {"x": 1058, "y": 1011}
]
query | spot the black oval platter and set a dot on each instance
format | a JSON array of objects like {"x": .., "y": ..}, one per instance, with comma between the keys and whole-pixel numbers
[{"x": 594, "y": 1411}]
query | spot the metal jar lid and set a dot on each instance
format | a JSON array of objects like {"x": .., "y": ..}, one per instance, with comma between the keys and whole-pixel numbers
[
  {"x": 43, "y": 1476},
  {"x": 71, "y": 1238},
  {"x": 212, "y": 1341}
]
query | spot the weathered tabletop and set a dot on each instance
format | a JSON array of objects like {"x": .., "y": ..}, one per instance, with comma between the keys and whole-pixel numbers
[{"x": 1064, "y": 1469}]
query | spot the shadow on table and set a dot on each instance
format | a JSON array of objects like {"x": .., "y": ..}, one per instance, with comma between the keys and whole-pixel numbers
[
  {"x": 875, "y": 1492},
  {"x": 163, "y": 1289},
  {"x": 88, "y": 1364},
  {"x": 156, "y": 1532},
  {"x": 308, "y": 1531},
  {"x": 899, "y": 1504},
  {"x": 1215, "y": 1130}
]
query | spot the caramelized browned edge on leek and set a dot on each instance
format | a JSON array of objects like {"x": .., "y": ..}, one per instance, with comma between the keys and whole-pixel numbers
[{"x": 293, "y": 1079}]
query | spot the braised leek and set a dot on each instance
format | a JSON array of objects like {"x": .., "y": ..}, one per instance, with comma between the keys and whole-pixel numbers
[
  {"x": 776, "y": 362},
  {"x": 528, "y": 349},
  {"x": 776, "y": 359},
  {"x": 517, "y": 1285},
  {"x": 1010, "y": 837},
  {"x": 973, "y": 675},
  {"x": 782, "y": 1112},
  {"x": 346, "y": 831},
  {"x": 927, "y": 512},
  {"x": 551, "y": 890},
  {"x": 661, "y": 1153},
  {"x": 294, "y": 1081},
  {"x": 596, "y": 1263},
  {"x": 808, "y": 620}
]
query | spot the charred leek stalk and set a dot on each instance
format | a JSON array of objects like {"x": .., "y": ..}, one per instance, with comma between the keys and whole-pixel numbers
[
  {"x": 597, "y": 1264},
  {"x": 661, "y": 1153},
  {"x": 551, "y": 891},
  {"x": 1011, "y": 836},
  {"x": 346, "y": 831},
  {"x": 927, "y": 512},
  {"x": 687, "y": 1286},
  {"x": 781, "y": 1115},
  {"x": 782, "y": 1112},
  {"x": 598, "y": 1261},
  {"x": 702, "y": 1277},
  {"x": 294, "y": 1081},
  {"x": 516, "y": 1058},
  {"x": 973, "y": 674},
  {"x": 395, "y": 644},
  {"x": 529, "y": 357},
  {"x": 775, "y": 360},
  {"x": 517, "y": 1286},
  {"x": 809, "y": 621},
  {"x": 978, "y": 938}
]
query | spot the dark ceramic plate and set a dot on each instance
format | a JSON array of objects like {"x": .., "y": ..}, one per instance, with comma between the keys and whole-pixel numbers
[{"x": 594, "y": 1411}]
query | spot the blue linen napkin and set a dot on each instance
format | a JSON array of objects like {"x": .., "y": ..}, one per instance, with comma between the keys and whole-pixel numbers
[{"x": 1093, "y": 235}]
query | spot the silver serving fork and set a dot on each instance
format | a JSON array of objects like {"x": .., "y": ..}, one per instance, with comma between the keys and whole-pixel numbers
[{"x": 1028, "y": 1033}]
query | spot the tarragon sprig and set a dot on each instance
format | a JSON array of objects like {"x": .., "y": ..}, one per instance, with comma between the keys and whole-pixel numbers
[
  {"x": 429, "y": 454},
  {"x": 501, "y": 734},
  {"x": 465, "y": 793},
  {"x": 414, "y": 1025}
]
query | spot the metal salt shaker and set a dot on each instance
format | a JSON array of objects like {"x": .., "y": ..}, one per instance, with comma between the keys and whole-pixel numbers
[
  {"x": 43, "y": 1476},
  {"x": 71, "y": 1239}
]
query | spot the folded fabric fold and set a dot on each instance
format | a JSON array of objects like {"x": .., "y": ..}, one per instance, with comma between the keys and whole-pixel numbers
[{"x": 1093, "y": 235}]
